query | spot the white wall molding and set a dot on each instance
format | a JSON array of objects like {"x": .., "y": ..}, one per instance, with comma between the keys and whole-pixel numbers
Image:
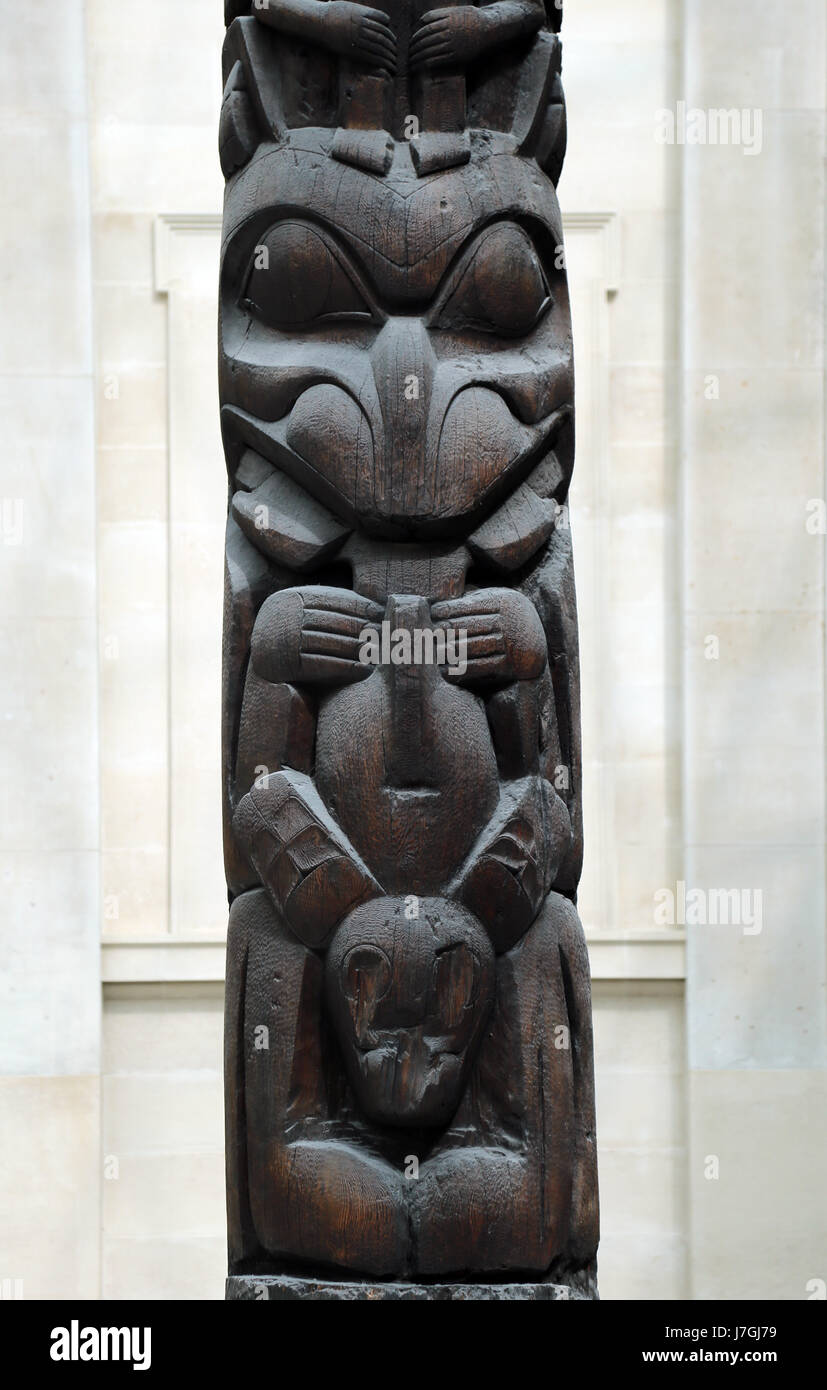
[
  {"x": 167, "y": 959},
  {"x": 656, "y": 955},
  {"x": 606, "y": 226},
  {"x": 186, "y": 257},
  {"x": 161, "y": 959},
  {"x": 172, "y": 232}
]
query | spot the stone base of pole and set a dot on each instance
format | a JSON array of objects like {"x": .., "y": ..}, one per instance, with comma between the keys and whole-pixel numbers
[{"x": 262, "y": 1288}]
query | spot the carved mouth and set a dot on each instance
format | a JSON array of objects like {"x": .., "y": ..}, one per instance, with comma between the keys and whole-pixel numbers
[
  {"x": 399, "y": 1089},
  {"x": 398, "y": 1045},
  {"x": 431, "y": 514}
]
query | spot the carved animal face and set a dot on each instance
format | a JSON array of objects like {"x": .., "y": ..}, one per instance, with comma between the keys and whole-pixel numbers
[
  {"x": 409, "y": 997},
  {"x": 400, "y": 346}
]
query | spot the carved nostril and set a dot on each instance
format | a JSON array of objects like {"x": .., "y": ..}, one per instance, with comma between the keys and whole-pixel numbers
[
  {"x": 328, "y": 429},
  {"x": 480, "y": 437}
]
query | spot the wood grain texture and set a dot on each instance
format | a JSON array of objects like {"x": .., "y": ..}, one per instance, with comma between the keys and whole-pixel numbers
[{"x": 409, "y": 1077}]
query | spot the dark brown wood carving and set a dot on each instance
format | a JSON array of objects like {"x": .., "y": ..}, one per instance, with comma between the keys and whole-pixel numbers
[{"x": 409, "y": 1089}]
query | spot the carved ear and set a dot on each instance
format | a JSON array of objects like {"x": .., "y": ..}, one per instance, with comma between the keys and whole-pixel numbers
[
  {"x": 252, "y": 109},
  {"x": 238, "y": 132}
]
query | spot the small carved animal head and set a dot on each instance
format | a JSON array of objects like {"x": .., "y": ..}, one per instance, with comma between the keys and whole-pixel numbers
[{"x": 409, "y": 987}]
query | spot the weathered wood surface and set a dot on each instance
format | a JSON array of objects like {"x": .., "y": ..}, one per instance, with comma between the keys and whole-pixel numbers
[{"x": 409, "y": 1085}]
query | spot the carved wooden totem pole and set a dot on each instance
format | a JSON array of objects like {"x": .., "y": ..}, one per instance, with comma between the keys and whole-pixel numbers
[{"x": 409, "y": 1092}]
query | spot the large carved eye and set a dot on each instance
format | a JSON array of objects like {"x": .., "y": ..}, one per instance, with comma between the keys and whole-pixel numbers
[
  {"x": 296, "y": 280},
  {"x": 501, "y": 289},
  {"x": 456, "y": 983},
  {"x": 367, "y": 977}
]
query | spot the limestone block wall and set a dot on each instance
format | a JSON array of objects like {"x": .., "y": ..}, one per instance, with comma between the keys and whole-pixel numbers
[
  {"x": 50, "y": 1005},
  {"x": 753, "y": 650}
]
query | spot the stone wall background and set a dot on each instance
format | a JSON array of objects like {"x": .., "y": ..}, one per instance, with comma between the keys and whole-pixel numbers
[{"x": 698, "y": 288}]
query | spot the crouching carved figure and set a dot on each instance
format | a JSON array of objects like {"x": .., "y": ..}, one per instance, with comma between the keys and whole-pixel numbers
[{"x": 408, "y": 1029}]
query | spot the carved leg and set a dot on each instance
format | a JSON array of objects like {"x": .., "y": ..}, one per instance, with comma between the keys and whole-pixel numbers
[
  {"x": 519, "y": 1187},
  {"x": 312, "y": 1193}
]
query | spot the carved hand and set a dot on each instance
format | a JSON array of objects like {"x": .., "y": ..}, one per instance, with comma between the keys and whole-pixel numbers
[
  {"x": 361, "y": 33},
  {"x": 505, "y": 638},
  {"x": 449, "y": 38},
  {"x": 312, "y": 635},
  {"x": 356, "y": 31}
]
